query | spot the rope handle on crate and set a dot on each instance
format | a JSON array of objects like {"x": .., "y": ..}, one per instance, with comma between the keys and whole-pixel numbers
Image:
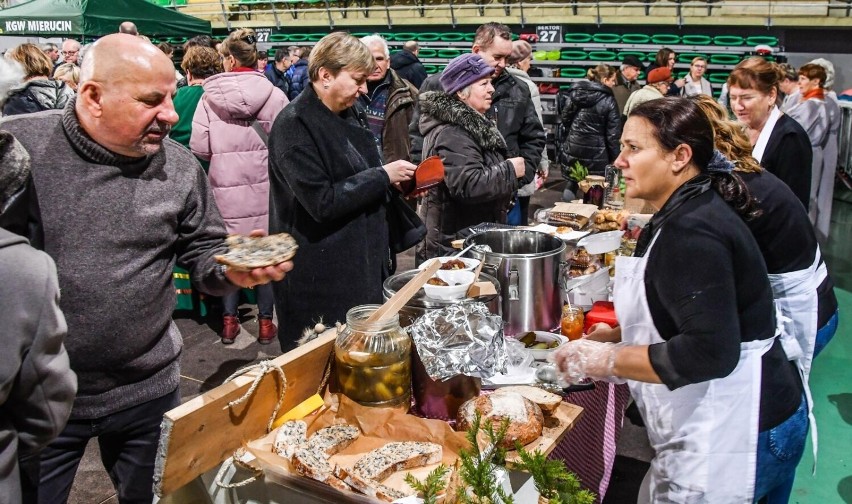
[
  {"x": 237, "y": 461},
  {"x": 265, "y": 367}
]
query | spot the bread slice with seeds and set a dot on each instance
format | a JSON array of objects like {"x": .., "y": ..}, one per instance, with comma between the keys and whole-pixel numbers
[
  {"x": 249, "y": 252},
  {"x": 313, "y": 463},
  {"x": 366, "y": 485},
  {"x": 382, "y": 462},
  {"x": 290, "y": 436},
  {"x": 334, "y": 438}
]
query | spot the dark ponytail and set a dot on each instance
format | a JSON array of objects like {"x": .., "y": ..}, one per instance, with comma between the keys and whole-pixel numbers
[{"x": 679, "y": 121}]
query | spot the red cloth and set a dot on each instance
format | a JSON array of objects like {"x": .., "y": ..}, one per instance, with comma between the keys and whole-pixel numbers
[{"x": 814, "y": 93}]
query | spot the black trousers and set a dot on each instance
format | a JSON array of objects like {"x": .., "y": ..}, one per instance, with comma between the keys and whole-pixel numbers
[{"x": 128, "y": 443}]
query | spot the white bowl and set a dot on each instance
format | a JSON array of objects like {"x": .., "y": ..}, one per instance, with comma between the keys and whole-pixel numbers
[
  {"x": 470, "y": 263},
  {"x": 601, "y": 243},
  {"x": 544, "y": 337},
  {"x": 459, "y": 280}
]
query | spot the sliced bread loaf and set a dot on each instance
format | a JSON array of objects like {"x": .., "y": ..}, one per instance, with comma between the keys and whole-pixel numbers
[
  {"x": 366, "y": 485},
  {"x": 525, "y": 418},
  {"x": 313, "y": 463},
  {"x": 547, "y": 401}
]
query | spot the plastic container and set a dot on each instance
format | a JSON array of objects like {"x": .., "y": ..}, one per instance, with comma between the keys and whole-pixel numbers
[
  {"x": 469, "y": 262},
  {"x": 601, "y": 243},
  {"x": 546, "y": 337},
  {"x": 459, "y": 282},
  {"x": 602, "y": 311},
  {"x": 373, "y": 360}
]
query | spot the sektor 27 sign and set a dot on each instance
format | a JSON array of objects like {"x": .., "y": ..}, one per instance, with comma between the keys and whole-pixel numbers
[{"x": 549, "y": 34}]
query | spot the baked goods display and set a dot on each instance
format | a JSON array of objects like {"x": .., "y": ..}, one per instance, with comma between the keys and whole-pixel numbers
[
  {"x": 547, "y": 401},
  {"x": 607, "y": 219},
  {"x": 582, "y": 263},
  {"x": 526, "y": 420},
  {"x": 248, "y": 252}
]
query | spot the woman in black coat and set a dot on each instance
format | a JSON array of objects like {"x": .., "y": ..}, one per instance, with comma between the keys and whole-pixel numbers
[
  {"x": 479, "y": 179},
  {"x": 592, "y": 121},
  {"x": 328, "y": 188}
]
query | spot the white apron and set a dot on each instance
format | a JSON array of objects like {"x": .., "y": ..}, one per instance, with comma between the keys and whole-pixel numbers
[
  {"x": 704, "y": 434},
  {"x": 796, "y": 298}
]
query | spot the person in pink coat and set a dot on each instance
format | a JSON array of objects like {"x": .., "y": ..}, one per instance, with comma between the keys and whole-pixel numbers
[{"x": 225, "y": 132}]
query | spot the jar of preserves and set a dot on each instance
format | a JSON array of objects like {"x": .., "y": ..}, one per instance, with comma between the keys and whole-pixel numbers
[
  {"x": 594, "y": 185},
  {"x": 572, "y": 322},
  {"x": 373, "y": 360}
]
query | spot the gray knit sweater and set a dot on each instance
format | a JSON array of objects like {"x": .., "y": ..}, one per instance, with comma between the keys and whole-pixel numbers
[{"x": 115, "y": 226}]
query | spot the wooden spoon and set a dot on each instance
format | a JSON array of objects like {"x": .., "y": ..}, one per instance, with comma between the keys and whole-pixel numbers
[{"x": 403, "y": 295}]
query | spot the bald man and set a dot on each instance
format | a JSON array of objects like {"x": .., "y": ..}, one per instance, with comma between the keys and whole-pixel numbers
[
  {"x": 121, "y": 203},
  {"x": 71, "y": 51},
  {"x": 128, "y": 27}
]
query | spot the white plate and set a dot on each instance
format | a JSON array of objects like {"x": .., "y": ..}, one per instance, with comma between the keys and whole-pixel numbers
[
  {"x": 546, "y": 337},
  {"x": 470, "y": 263}
]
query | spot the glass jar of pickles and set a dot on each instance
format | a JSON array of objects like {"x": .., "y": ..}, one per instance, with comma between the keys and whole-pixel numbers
[
  {"x": 373, "y": 360},
  {"x": 572, "y": 322}
]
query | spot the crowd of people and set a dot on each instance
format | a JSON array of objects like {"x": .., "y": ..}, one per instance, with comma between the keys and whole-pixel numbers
[{"x": 127, "y": 177}]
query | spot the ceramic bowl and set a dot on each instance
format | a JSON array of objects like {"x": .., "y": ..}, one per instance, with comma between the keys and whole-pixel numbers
[
  {"x": 545, "y": 337},
  {"x": 470, "y": 264}
]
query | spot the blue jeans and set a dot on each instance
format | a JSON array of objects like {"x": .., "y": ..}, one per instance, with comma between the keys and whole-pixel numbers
[
  {"x": 779, "y": 450},
  {"x": 825, "y": 333},
  {"x": 265, "y": 301},
  {"x": 128, "y": 443}
]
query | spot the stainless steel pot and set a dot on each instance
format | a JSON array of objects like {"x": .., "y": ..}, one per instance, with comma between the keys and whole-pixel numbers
[
  {"x": 526, "y": 263},
  {"x": 420, "y": 303}
]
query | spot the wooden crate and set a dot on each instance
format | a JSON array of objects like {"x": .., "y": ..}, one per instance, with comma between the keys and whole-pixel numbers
[{"x": 201, "y": 433}]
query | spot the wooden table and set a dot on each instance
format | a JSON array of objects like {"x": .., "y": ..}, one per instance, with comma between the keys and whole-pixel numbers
[{"x": 201, "y": 433}]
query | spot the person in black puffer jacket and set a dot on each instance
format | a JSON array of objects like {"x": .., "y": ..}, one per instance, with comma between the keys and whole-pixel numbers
[
  {"x": 407, "y": 64},
  {"x": 591, "y": 119},
  {"x": 38, "y": 92}
]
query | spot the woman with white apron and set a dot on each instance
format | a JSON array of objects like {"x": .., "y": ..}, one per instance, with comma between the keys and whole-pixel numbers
[
  {"x": 696, "y": 324},
  {"x": 801, "y": 285}
]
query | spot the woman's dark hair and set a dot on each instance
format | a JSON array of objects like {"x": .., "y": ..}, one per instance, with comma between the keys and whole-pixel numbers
[
  {"x": 662, "y": 57},
  {"x": 813, "y": 71},
  {"x": 680, "y": 121},
  {"x": 200, "y": 40}
]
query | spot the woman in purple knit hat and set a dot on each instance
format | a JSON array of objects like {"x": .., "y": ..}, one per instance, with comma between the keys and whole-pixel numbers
[{"x": 479, "y": 180}]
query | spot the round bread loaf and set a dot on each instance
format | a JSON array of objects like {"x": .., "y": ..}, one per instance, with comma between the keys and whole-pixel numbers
[{"x": 525, "y": 418}]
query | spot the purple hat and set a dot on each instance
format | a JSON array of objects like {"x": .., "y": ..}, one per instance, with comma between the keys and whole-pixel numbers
[{"x": 464, "y": 71}]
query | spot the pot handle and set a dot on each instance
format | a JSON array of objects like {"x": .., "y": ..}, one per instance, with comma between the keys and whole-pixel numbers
[
  {"x": 492, "y": 268},
  {"x": 514, "y": 292}
]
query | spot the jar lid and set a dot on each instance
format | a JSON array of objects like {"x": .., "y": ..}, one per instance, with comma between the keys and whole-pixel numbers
[{"x": 596, "y": 178}]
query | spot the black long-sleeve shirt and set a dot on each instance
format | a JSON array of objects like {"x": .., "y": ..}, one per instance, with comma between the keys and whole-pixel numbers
[
  {"x": 785, "y": 235},
  {"x": 708, "y": 292}
]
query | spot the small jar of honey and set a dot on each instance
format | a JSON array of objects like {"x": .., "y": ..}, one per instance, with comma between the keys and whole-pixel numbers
[{"x": 572, "y": 322}]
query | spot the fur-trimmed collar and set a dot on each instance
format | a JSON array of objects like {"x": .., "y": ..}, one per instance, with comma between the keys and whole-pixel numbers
[{"x": 441, "y": 108}]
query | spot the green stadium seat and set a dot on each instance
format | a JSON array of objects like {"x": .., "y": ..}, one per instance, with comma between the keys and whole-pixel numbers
[
  {"x": 623, "y": 54},
  {"x": 572, "y": 73},
  {"x": 725, "y": 59},
  {"x": 573, "y": 55},
  {"x": 728, "y": 40},
  {"x": 718, "y": 77},
  {"x": 602, "y": 55},
  {"x": 762, "y": 39},
  {"x": 606, "y": 38},
  {"x": 577, "y": 37},
  {"x": 696, "y": 40},
  {"x": 665, "y": 38},
  {"x": 635, "y": 38}
]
